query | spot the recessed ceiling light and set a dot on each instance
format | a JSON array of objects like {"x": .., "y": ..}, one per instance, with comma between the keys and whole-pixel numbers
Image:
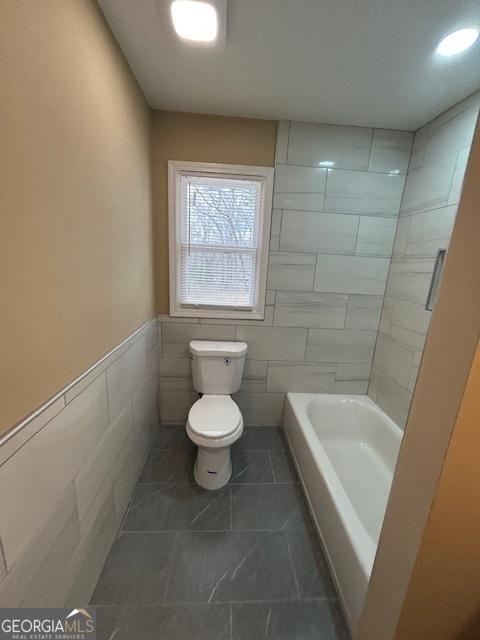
[
  {"x": 326, "y": 163},
  {"x": 194, "y": 20},
  {"x": 457, "y": 42}
]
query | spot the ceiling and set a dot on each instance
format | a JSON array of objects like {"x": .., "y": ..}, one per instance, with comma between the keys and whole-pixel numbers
[{"x": 359, "y": 62}]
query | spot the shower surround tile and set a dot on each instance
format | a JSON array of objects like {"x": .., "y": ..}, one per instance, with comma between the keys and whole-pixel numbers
[
  {"x": 432, "y": 191},
  {"x": 320, "y": 233},
  {"x": 345, "y": 147},
  {"x": 331, "y": 242}
]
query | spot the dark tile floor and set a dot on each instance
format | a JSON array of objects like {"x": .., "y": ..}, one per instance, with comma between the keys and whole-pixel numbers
[{"x": 241, "y": 563}]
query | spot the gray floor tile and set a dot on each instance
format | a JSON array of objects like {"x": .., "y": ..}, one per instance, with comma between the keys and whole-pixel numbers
[
  {"x": 307, "y": 620},
  {"x": 195, "y": 622},
  {"x": 174, "y": 437},
  {"x": 231, "y": 566},
  {"x": 310, "y": 565},
  {"x": 251, "y": 466},
  {"x": 136, "y": 569},
  {"x": 268, "y": 506},
  {"x": 168, "y": 465},
  {"x": 170, "y": 507},
  {"x": 262, "y": 438},
  {"x": 283, "y": 466}
]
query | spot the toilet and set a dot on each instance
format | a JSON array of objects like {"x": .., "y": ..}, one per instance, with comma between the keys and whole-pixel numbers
[{"x": 215, "y": 422}]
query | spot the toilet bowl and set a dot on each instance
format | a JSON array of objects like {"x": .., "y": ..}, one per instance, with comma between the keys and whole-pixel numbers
[{"x": 215, "y": 422}]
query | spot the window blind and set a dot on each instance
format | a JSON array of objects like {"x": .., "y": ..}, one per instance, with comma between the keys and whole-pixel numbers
[{"x": 219, "y": 229}]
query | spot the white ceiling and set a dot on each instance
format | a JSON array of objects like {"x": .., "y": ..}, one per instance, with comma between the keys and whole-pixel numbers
[{"x": 361, "y": 62}]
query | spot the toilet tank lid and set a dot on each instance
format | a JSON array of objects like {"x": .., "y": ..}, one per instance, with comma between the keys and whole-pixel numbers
[{"x": 218, "y": 348}]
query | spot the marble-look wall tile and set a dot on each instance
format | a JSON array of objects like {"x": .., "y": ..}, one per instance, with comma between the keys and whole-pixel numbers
[
  {"x": 57, "y": 482},
  {"x": 39, "y": 555},
  {"x": 97, "y": 468},
  {"x": 288, "y": 377},
  {"x": 310, "y": 310},
  {"x": 429, "y": 187},
  {"x": 294, "y": 179},
  {"x": 450, "y": 132},
  {"x": 273, "y": 343},
  {"x": 311, "y": 144},
  {"x": 352, "y": 372},
  {"x": 175, "y": 404},
  {"x": 54, "y": 455},
  {"x": 340, "y": 345},
  {"x": 394, "y": 359},
  {"x": 429, "y": 231},
  {"x": 291, "y": 271},
  {"x": 363, "y": 192},
  {"x": 299, "y": 201},
  {"x": 375, "y": 236},
  {"x": 261, "y": 408},
  {"x": 318, "y": 233},
  {"x": 432, "y": 191},
  {"x": 390, "y": 151},
  {"x": 394, "y": 399},
  {"x": 363, "y": 312},
  {"x": 458, "y": 176},
  {"x": 351, "y": 274},
  {"x": 410, "y": 279},
  {"x": 124, "y": 375}
]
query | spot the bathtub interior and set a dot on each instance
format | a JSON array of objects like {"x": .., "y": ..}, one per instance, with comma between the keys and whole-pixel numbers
[{"x": 362, "y": 445}]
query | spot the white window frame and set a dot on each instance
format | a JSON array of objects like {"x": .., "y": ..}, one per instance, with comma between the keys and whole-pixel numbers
[{"x": 265, "y": 174}]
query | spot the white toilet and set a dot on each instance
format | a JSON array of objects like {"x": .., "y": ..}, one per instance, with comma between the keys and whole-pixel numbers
[{"x": 214, "y": 422}]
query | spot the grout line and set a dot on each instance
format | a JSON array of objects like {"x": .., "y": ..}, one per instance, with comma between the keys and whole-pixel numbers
[{"x": 203, "y": 603}]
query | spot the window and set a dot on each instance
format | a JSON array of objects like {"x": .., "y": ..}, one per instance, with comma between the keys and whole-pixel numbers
[{"x": 219, "y": 218}]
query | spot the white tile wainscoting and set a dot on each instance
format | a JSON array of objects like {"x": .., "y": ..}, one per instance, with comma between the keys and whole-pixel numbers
[
  {"x": 67, "y": 474},
  {"x": 330, "y": 247},
  {"x": 427, "y": 214}
]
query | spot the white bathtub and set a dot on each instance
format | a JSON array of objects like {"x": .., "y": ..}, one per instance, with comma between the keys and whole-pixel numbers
[{"x": 345, "y": 449}]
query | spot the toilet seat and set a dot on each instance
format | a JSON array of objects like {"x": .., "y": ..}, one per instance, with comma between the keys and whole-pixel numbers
[{"x": 214, "y": 417}]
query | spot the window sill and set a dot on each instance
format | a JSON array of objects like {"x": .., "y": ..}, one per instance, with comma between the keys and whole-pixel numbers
[{"x": 222, "y": 314}]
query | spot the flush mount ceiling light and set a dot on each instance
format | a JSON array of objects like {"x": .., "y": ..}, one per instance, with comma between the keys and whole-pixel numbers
[
  {"x": 457, "y": 42},
  {"x": 194, "y": 20}
]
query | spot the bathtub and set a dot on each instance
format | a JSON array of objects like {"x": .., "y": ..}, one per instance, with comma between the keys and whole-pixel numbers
[{"x": 345, "y": 449}]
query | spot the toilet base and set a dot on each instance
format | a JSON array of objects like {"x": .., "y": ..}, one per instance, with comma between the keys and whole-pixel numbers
[{"x": 213, "y": 467}]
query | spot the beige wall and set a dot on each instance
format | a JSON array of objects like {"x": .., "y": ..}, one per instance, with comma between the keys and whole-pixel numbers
[
  {"x": 445, "y": 368},
  {"x": 200, "y": 138},
  {"x": 443, "y": 599},
  {"x": 75, "y": 256}
]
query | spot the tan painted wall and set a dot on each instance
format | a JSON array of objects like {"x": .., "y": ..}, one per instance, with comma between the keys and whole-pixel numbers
[
  {"x": 200, "y": 138},
  {"x": 443, "y": 599},
  {"x": 445, "y": 368},
  {"x": 76, "y": 274}
]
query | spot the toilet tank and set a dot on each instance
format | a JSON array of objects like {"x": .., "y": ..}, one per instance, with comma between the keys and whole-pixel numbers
[{"x": 217, "y": 367}]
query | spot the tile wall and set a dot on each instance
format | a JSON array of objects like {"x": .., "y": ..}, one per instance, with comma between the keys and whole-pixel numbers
[
  {"x": 429, "y": 205},
  {"x": 331, "y": 242},
  {"x": 66, "y": 478}
]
